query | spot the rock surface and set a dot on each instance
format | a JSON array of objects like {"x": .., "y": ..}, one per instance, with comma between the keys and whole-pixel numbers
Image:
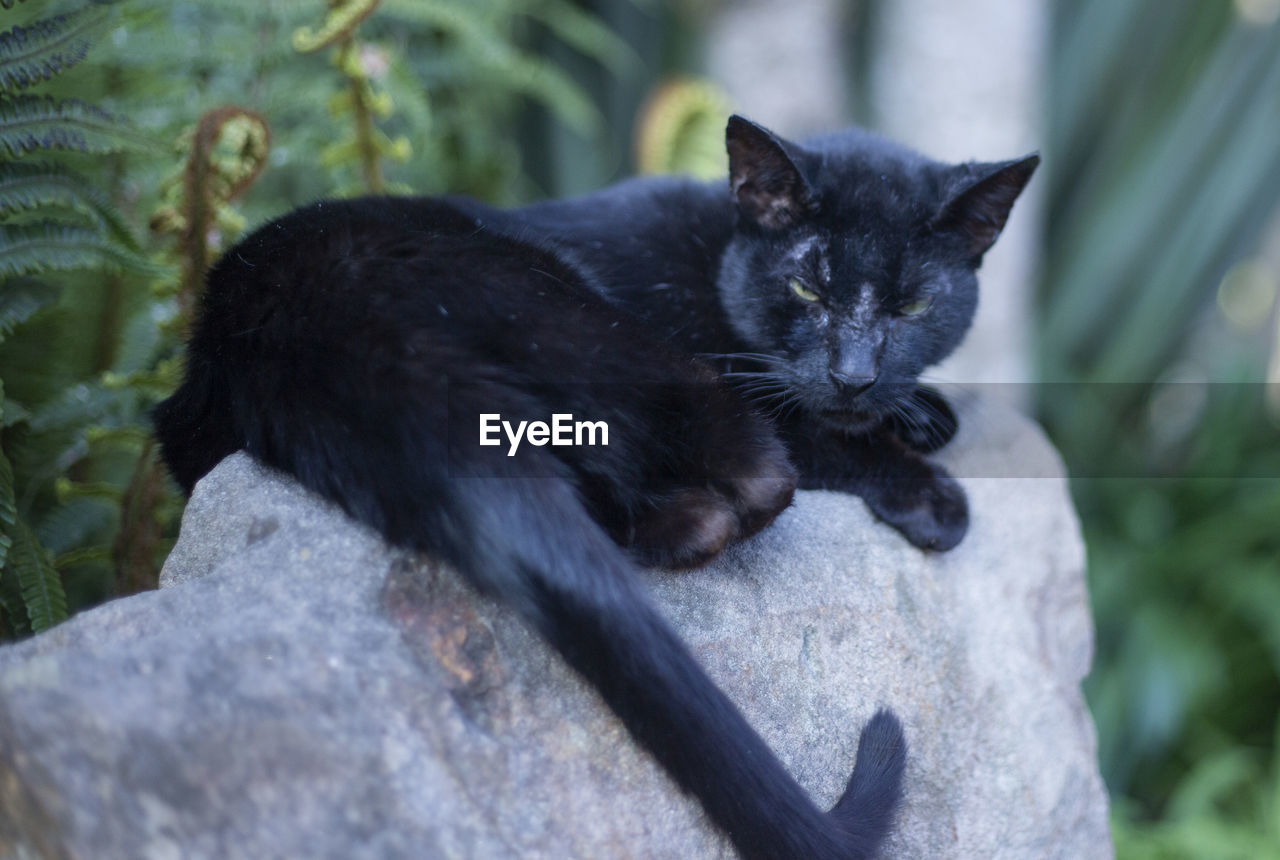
[{"x": 299, "y": 690}]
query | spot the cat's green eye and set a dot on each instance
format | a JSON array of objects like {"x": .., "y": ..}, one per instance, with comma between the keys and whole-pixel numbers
[
  {"x": 798, "y": 287},
  {"x": 916, "y": 308}
]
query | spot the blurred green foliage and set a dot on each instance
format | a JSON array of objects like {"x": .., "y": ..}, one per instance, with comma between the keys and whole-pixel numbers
[
  {"x": 55, "y": 221},
  {"x": 155, "y": 114},
  {"x": 1164, "y": 171}
]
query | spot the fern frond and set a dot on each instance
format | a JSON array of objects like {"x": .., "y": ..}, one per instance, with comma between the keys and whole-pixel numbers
[
  {"x": 82, "y": 555},
  {"x": 584, "y": 32},
  {"x": 47, "y": 47},
  {"x": 72, "y": 525},
  {"x": 8, "y": 508},
  {"x": 69, "y": 490},
  {"x": 128, "y": 435},
  {"x": 31, "y": 565},
  {"x": 681, "y": 129},
  {"x": 10, "y": 594},
  {"x": 519, "y": 71},
  {"x": 26, "y": 249},
  {"x": 28, "y": 123},
  {"x": 76, "y": 406},
  {"x": 547, "y": 83},
  {"x": 340, "y": 22},
  {"x": 26, "y": 568},
  {"x": 24, "y": 187},
  {"x": 19, "y": 302},
  {"x": 158, "y": 383},
  {"x": 13, "y": 413}
]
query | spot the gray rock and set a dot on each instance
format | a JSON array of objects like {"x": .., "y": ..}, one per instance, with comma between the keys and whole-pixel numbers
[{"x": 299, "y": 690}]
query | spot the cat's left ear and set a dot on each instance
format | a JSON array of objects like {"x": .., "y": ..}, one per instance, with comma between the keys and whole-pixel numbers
[
  {"x": 763, "y": 176},
  {"x": 979, "y": 205}
]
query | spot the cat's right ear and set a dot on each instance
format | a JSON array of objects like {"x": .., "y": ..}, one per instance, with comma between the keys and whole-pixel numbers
[
  {"x": 980, "y": 204},
  {"x": 763, "y": 178}
]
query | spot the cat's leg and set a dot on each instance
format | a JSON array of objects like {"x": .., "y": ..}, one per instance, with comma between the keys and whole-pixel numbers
[
  {"x": 738, "y": 478},
  {"x": 681, "y": 528},
  {"x": 902, "y": 488},
  {"x": 708, "y": 471}
]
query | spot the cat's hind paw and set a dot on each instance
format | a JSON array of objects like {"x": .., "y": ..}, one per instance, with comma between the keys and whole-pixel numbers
[
  {"x": 684, "y": 530},
  {"x": 691, "y": 526}
]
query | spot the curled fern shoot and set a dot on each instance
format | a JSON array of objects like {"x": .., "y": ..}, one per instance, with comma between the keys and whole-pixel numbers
[
  {"x": 359, "y": 64},
  {"x": 681, "y": 129},
  {"x": 227, "y": 152},
  {"x": 339, "y": 24}
]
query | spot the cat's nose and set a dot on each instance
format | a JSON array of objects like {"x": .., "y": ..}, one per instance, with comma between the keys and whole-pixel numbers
[{"x": 849, "y": 385}]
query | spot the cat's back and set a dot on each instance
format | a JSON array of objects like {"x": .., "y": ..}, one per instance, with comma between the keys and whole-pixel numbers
[
  {"x": 347, "y": 238},
  {"x": 334, "y": 266}
]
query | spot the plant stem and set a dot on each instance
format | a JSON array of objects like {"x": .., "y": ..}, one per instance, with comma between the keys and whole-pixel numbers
[
  {"x": 370, "y": 160},
  {"x": 134, "y": 552}
]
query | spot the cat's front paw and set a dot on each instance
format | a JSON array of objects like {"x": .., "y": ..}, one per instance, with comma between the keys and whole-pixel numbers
[{"x": 931, "y": 513}]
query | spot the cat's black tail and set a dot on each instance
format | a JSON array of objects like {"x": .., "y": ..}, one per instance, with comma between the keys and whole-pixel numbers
[
  {"x": 529, "y": 542},
  {"x": 586, "y": 601},
  {"x": 351, "y": 400}
]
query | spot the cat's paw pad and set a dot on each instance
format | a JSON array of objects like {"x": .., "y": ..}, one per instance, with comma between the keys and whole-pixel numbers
[{"x": 932, "y": 514}]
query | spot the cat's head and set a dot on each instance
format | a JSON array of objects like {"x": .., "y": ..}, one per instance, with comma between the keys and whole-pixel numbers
[{"x": 853, "y": 262}]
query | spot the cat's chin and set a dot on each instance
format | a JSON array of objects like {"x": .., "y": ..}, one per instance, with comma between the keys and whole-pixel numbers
[{"x": 850, "y": 420}]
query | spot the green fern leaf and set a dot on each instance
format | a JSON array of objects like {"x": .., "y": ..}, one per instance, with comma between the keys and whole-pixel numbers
[
  {"x": 546, "y": 83},
  {"x": 47, "y": 47},
  {"x": 28, "y": 123},
  {"x": 341, "y": 21},
  {"x": 30, "y": 588},
  {"x": 28, "y": 578},
  {"x": 101, "y": 553},
  {"x": 491, "y": 52},
  {"x": 10, "y": 594},
  {"x": 11, "y": 412},
  {"x": 74, "y": 524},
  {"x": 19, "y": 302},
  {"x": 24, "y": 187},
  {"x": 584, "y": 32},
  {"x": 29, "y": 248},
  {"x": 14, "y": 413},
  {"x": 41, "y": 586},
  {"x": 76, "y": 406},
  {"x": 8, "y": 506}
]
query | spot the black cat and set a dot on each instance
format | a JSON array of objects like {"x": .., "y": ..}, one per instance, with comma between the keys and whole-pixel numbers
[
  {"x": 822, "y": 285},
  {"x": 355, "y": 345}
]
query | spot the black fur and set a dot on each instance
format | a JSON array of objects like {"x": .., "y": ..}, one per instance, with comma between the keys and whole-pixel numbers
[
  {"x": 866, "y": 224},
  {"x": 353, "y": 344}
]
